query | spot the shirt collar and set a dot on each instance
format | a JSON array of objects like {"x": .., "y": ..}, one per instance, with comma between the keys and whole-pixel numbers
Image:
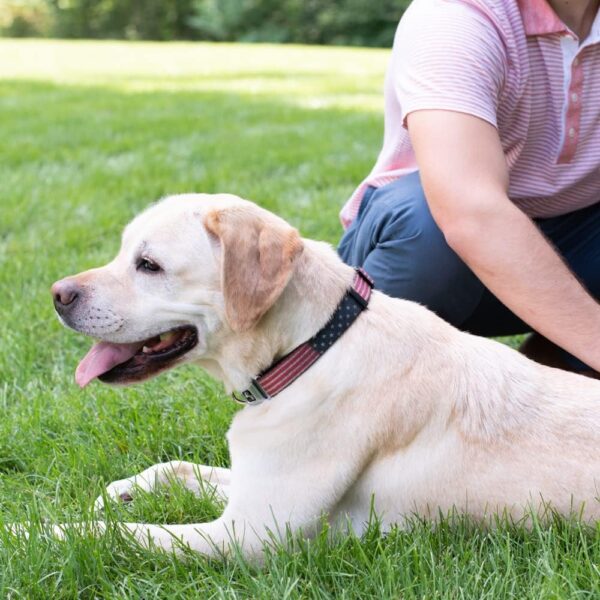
[{"x": 539, "y": 18}]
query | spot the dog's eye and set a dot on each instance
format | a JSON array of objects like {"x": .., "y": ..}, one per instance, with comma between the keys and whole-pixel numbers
[{"x": 147, "y": 265}]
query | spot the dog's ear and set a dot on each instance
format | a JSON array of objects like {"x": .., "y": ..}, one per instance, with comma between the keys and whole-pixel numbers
[{"x": 258, "y": 255}]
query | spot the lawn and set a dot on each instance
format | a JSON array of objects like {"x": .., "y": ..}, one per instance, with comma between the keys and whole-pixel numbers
[{"x": 91, "y": 133}]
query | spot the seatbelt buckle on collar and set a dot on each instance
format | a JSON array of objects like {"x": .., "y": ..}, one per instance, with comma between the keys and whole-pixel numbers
[
  {"x": 362, "y": 301},
  {"x": 254, "y": 394}
]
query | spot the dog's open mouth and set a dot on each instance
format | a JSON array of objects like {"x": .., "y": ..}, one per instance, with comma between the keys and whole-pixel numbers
[{"x": 127, "y": 363}]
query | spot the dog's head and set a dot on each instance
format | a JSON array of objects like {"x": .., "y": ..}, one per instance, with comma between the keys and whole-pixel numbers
[{"x": 189, "y": 269}]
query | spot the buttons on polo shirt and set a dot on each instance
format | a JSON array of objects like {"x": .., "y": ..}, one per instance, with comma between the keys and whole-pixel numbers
[
  {"x": 572, "y": 132},
  {"x": 574, "y": 97}
]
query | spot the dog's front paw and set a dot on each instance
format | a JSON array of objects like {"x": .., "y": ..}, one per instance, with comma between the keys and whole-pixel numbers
[{"x": 117, "y": 491}]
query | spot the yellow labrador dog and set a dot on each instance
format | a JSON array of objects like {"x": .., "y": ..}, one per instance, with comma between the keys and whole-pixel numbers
[{"x": 400, "y": 409}]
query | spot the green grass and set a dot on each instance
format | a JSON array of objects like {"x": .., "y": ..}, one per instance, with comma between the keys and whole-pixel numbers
[{"x": 93, "y": 132}]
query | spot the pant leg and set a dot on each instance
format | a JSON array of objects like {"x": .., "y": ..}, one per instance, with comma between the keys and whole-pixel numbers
[
  {"x": 396, "y": 240},
  {"x": 576, "y": 236}
]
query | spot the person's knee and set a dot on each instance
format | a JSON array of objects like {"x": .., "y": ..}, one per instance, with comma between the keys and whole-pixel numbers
[
  {"x": 414, "y": 262},
  {"x": 396, "y": 210},
  {"x": 399, "y": 244}
]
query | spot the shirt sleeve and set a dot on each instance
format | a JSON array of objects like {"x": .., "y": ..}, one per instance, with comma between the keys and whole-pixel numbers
[{"x": 448, "y": 55}]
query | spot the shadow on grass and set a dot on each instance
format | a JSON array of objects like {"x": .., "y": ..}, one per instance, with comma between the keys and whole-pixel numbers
[{"x": 91, "y": 151}]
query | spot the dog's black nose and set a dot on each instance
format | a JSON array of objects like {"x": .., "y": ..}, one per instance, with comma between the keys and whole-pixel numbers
[{"x": 65, "y": 293}]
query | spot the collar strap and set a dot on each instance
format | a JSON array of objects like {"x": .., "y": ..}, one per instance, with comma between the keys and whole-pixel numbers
[{"x": 286, "y": 370}]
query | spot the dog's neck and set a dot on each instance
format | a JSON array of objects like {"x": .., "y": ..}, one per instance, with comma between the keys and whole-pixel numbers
[{"x": 318, "y": 284}]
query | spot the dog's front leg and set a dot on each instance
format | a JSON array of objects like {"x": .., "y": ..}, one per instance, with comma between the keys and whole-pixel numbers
[
  {"x": 262, "y": 506},
  {"x": 213, "y": 539},
  {"x": 288, "y": 498},
  {"x": 192, "y": 476}
]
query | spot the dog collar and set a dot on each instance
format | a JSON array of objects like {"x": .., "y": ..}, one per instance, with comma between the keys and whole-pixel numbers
[{"x": 287, "y": 369}]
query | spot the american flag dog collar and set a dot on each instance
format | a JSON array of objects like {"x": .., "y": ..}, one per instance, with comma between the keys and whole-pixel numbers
[{"x": 287, "y": 369}]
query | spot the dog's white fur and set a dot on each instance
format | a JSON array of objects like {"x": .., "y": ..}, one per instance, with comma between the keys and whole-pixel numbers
[{"x": 404, "y": 411}]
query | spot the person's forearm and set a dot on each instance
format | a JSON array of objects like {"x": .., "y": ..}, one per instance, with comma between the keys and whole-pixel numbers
[
  {"x": 516, "y": 263},
  {"x": 466, "y": 179}
]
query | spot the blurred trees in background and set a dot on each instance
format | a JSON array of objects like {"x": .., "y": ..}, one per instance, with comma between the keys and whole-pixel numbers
[{"x": 348, "y": 22}]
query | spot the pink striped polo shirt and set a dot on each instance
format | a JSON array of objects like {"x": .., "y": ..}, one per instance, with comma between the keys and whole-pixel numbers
[{"x": 514, "y": 64}]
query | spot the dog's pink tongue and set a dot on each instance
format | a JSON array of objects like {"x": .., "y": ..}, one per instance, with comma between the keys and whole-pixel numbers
[{"x": 101, "y": 358}]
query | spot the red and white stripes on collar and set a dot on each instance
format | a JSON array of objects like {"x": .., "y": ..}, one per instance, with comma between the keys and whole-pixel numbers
[{"x": 286, "y": 370}]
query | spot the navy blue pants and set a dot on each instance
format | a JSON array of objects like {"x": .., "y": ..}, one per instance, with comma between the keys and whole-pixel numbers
[{"x": 396, "y": 240}]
